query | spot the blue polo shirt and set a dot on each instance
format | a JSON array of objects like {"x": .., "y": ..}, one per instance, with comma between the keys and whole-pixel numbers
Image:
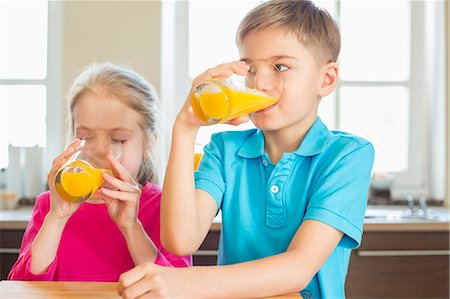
[{"x": 263, "y": 205}]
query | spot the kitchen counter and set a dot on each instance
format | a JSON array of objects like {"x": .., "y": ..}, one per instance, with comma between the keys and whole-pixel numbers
[
  {"x": 62, "y": 289},
  {"x": 17, "y": 219}
]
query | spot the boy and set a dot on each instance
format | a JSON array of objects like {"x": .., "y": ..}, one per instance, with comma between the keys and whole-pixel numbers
[{"x": 292, "y": 193}]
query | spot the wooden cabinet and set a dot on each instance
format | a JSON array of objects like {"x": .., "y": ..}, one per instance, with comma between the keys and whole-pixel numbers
[
  {"x": 207, "y": 253},
  {"x": 400, "y": 265},
  {"x": 387, "y": 265},
  {"x": 9, "y": 250}
]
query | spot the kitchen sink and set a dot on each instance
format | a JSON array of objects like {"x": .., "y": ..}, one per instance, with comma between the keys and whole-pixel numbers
[{"x": 400, "y": 214}]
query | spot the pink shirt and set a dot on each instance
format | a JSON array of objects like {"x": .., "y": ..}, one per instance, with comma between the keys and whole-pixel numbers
[{"x": 92, "y": 248}]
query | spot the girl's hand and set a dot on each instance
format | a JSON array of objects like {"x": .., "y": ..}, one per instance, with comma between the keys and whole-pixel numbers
[
  {"x": 186, "y": 116},
  {"x": 150, "y": 281},
  {"x": 122, "y": 203},
  {"x": 59, "y": 207}
]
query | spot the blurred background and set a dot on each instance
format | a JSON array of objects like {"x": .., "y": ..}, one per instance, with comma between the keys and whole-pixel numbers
[{"x": 393, "y": 90}]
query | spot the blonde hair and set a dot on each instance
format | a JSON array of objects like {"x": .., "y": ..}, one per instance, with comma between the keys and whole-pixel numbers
[
  {"x": 133, "y": 91},
  {"x": 313, "y": 26}
]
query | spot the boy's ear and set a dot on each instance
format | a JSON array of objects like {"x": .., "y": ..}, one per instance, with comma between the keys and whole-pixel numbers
[{"x": 329, "y": 79}]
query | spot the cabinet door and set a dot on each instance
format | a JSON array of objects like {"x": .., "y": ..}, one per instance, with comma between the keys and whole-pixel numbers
[
  {"x": 400, "y": 265},
  {"x": 207, "y": 253},
  {"x": 9, "y": 250}
]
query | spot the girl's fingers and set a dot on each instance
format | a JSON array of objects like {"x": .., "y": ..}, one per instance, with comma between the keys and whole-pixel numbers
[
  {"x": 120, "y": 195},
  {"x": 120, "y": 184},
  {"x": 119, "y": 171},
  {"x": 68, "y": 152}
]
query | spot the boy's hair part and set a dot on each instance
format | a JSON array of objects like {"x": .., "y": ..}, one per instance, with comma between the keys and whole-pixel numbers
[
  {"x": 132, "y": 90},
  {"x": 313, "y": 26}
]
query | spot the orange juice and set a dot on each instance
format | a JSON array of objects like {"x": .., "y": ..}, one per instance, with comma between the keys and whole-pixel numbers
[
  {"x": 197, "y": 158},
  {"x": 77, "y": 181},
  {"x": 214, "y": 102}
]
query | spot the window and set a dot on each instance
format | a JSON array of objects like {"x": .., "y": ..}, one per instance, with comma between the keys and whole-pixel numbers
[
  {"x": 391, "y": 88},
  {"x": 31, "y": 96},
  {"x": 23, "y": 60}
]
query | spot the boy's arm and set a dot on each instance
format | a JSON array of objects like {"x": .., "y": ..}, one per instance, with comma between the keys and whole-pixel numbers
[
  {"x": 186, "y": 213},
  {"x": 279, "y": 274}
]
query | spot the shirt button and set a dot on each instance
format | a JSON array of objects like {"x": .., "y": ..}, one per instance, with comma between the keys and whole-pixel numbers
[
  {"x": 274, "y": 189},
  {"x": 265, "y": 162}
]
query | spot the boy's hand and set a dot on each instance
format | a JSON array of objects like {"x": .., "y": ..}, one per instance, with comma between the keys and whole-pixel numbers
[
  {"x": 59, "y": 207},
  {"x": 186, "y": 115},
  {"x": 149, "y": 281}
]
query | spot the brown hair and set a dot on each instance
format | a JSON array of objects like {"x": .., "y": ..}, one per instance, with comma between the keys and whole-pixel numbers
[
  {"x": 133, "y": 91},
  {"x": 313, "y": 26}
]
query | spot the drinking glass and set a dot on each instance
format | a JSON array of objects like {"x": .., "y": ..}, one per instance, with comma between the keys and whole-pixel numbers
[{"x": 81, "y": 176}]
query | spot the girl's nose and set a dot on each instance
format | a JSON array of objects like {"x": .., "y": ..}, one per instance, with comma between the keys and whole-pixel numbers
[{"x": 95, "y": 151}]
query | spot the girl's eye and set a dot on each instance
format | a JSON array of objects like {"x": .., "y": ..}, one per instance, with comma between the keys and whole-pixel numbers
[
  {"x": 281, "y": 67},
  {"x": 89, "y": 137},
  {"x": 118, "y": 140}
]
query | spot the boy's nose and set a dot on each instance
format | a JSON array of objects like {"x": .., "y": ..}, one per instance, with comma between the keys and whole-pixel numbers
[{"x": 265, "y": 77}]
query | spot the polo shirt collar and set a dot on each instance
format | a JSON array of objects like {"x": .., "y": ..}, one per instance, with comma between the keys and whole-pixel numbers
[
  {"x": 313, "y": 143},
  {"x": 315, "y": 140}
]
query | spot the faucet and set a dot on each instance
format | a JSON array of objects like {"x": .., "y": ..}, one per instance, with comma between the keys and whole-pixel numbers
[
  {"x": 410, "y": 209},
  {"x": 422, "y": 212},
  {"x": 422, "y": 206}
]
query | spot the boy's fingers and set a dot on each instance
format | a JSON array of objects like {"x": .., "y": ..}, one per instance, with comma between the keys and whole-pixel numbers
[
  {"x": 139, "y": 288},
  {"x": 130, "y": 277},
  {"x": 223, "y": 70}
]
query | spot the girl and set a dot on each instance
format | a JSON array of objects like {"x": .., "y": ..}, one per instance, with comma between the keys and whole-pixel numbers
[{"x": 118, "y": 227}]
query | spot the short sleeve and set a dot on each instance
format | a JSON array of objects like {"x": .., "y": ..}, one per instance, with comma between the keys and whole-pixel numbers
[
  {"x": 339, "y": 198},
  {"x": 210, "y": 174}
]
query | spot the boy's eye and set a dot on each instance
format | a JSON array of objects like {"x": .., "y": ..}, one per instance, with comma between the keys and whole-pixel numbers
[{"x": 281, "y": 67}]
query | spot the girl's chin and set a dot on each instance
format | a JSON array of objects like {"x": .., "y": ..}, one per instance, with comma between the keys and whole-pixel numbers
[{"x": 97, "y": 198}]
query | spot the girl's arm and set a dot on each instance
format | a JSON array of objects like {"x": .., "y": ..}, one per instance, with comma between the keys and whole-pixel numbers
[
  {"x": 279, "y": 274},
  {"x": 21, "y": 269},
  {"x": 123, "y": 206},
  {"x": 139, "y": 245},
  {"x": 45, "y": 246}
]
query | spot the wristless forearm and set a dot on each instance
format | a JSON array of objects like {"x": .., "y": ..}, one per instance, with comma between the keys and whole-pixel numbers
[
  {"x": 141, "y": 247},
  {"x": 45, "y": 245},
  {"x": 179, "y": 218}
]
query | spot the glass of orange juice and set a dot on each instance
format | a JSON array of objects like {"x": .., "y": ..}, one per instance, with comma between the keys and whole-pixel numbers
[
  {"x": 81, "y": 176},
  {"x": 221, "y": 99},
  {"x": 198, "y": 154}
]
